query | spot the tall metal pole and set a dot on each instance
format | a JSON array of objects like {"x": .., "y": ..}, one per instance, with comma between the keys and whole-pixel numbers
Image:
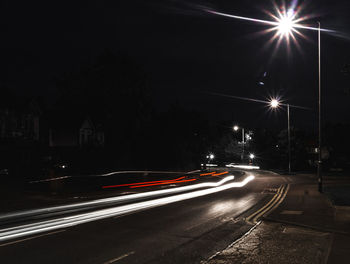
[
  {"x": 319, "y": 162},
  {"x": 289, "y": 154},
  {"x": 242, "y": 158}
]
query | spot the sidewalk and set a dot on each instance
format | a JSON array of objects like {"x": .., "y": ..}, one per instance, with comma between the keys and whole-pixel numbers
[{"x": 305, "y": 228}]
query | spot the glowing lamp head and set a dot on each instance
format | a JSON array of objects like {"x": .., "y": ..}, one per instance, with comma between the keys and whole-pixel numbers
[
  {"x": 286, "y": 24},
  {"x": 251, "y": 156},
  {"x": 274, "y": 103},
  {"x": 235, "y": 128},
  {"x": 211, "y": 156}
]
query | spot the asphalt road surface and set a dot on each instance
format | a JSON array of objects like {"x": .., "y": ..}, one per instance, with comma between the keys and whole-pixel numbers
[{"x": 186, "y": 231}]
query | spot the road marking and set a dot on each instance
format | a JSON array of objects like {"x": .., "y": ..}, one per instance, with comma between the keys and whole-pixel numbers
[
  {"x": 270, "y": 206},
  {"x": 30, "y": 238},
  {"x": 265, "y": 206},
  {"x": 288, "y": 212},
  {"x": 119, "y": 258},
  {"x": 273, "y": 207}
]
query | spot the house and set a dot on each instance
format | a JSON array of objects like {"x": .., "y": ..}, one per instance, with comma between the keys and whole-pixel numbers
[
  {"x": 76, "y": 131},
  {"x": 20, "y": 120}
]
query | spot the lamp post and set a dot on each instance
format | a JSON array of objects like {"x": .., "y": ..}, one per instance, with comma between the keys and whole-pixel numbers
[
  {"x": 285, "y": 27},
  {"x": 252, "y": 157},
  {"x": 286, "y": 24},
  {"x": 274, "y": 103},
  {"x": 319, "y": 165},
  {"x": 236, "y": 128},
  {"x": 210, "y": 157}
]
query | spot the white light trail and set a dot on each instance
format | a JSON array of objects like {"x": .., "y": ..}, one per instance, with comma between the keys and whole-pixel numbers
[
  {"x": 112, "y": 200},
  {"x": 51, "y": 179},
  {"x": 138, "y": 172},
  {"x": 247, "y": 167},
  {"x": 64, "y": 222},
  {"x": 211, "y": 165}
]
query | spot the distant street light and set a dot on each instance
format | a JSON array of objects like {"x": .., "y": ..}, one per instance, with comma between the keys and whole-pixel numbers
[
  {"x": 210, "y": 157},
  {"x": 274, "y": 103},
  {"x": 236, "y": 128},
  {"x": 251, "y": 156},
  {"x": 248, "y": 137}
]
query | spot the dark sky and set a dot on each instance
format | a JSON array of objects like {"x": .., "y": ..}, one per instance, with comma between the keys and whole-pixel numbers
[{"x": 185, "y": 52}]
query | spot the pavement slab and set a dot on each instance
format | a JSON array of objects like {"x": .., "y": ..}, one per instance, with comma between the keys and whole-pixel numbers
[{"x": 277, "y": 243}]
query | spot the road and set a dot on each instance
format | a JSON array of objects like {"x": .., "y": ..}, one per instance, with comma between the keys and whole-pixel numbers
[{"x": 186, "y": 231}]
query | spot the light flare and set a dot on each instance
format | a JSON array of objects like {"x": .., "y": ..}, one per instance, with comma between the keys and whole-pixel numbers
[{"x": 285, "y": 24}]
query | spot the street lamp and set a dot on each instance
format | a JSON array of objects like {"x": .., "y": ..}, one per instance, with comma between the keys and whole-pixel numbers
[
  {"x": 286, "y": 24},
  {"x": 236, "y": 128},
  {"x": 251, "y": 157},
  {"x": 210, "y": 157},
  {"x": 274, "y": 103},
  {"x": 285, "y": 27}
]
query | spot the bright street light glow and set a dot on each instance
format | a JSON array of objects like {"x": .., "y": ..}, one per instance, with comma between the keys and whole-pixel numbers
[
  {"x": 275, "y": 23},
  {"x": 286, "y": 24},
  {"x": 251, "y": 156},
  {"x": 235, "y": 128},
  {"x": 211, "y": 156},
  {"x": 274, "y": 103}
]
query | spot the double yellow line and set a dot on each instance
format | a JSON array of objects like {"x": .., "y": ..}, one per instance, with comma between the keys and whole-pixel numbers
[{"x": 276, "y": 200}]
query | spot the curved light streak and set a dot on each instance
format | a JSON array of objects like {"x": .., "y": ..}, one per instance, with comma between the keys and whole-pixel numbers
[
  {"x": 64, "y": 222},
  {"x": 125, "y": 172},
  {"x": 247, "y": 167},
  {"x": 141, "y": 183},
  {"x": 161, "y": 183},
  {"x": 112, "y": 200}
]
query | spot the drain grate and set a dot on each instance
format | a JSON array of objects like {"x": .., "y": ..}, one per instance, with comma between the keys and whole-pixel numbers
[{"x": 270, "y": 191}]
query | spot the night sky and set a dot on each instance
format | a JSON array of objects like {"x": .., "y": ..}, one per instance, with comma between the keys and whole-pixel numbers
[{"x": 185, "y": 52}]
